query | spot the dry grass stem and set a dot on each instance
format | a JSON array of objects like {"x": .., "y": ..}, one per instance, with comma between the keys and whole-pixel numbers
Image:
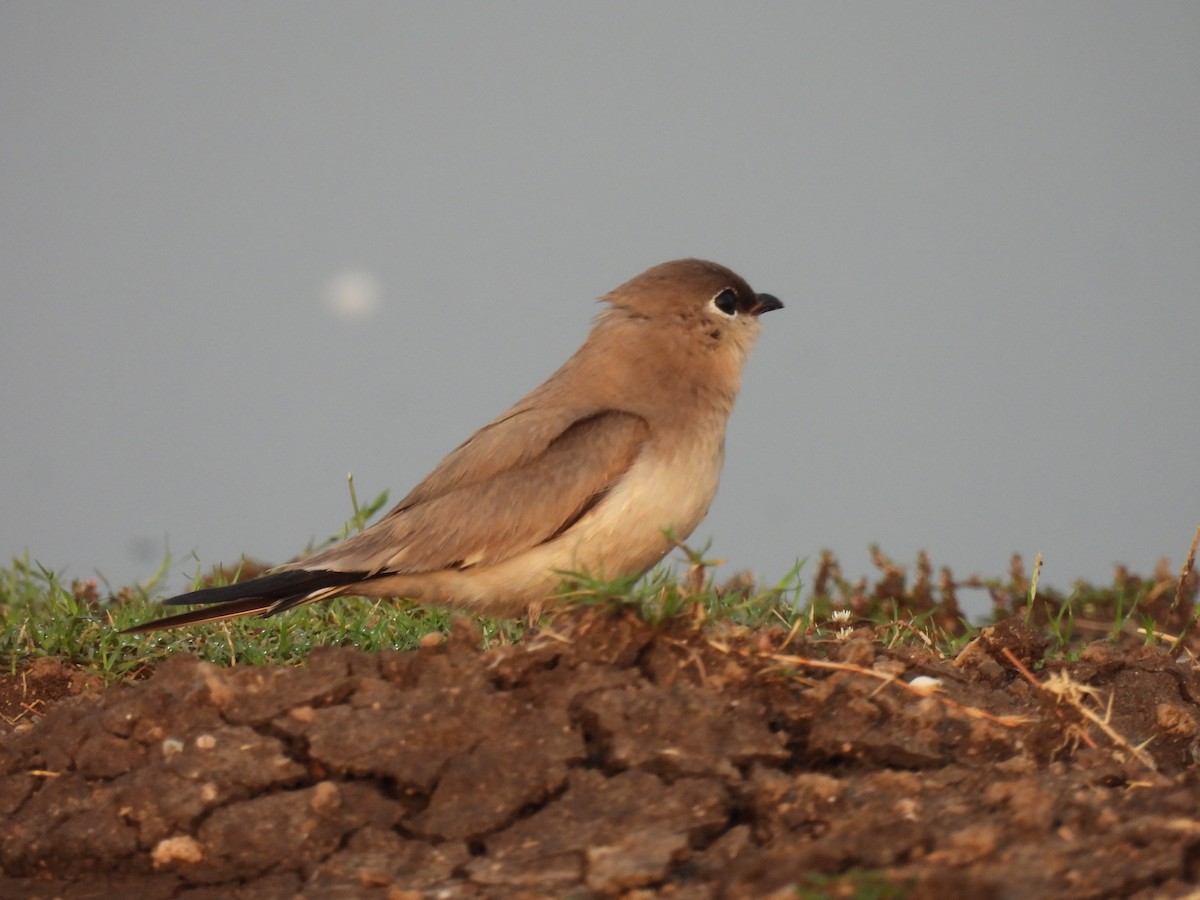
[
  {"x": 1063, "y": 689},
  {"x": 1037, "y": 571},
  {"x": 1184, "y": 574},
  {"x": 887, "y": 678}
]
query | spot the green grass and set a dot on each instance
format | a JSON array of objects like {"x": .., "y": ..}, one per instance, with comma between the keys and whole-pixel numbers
[
  {"x": 40, "y": 615},
  {"x": 856, "y": 884},
  {"x": 44, "y": 614}
]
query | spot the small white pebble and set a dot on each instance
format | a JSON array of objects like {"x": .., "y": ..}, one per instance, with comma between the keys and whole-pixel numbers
[
  {"x": 181, "y": 849},
  {"x": 171, "y": 746},
  {"x": 908, "y": 809},
  {"x": 325, "y": 797},
  {"x": 205, "y": 742},
  {"x": 926, "y": 684}
]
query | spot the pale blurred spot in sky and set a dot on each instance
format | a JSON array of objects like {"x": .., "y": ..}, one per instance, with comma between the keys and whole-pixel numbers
[{"x": 352, "y": 294}]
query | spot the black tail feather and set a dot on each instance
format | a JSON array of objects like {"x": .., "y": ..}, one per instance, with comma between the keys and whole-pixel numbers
[
  {"x": 268, "y": 587},
  {"x": 231, "y": 610},
  {"x": 266, "y": 596}
]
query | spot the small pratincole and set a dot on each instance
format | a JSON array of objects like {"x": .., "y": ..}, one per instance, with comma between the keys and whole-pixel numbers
[{"x": 590, "y": 472}]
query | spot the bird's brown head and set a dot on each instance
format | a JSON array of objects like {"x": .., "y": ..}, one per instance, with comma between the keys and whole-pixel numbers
[{"x": 714, "y": 307}]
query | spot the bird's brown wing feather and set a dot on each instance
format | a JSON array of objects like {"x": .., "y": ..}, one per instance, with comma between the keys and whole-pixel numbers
[
  {"x": 452, "y": 520},
  {"x": 485, "y": 521}
]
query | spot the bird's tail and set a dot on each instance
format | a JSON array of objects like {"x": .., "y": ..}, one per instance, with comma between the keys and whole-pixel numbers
[{"x": 264, "y": 596}]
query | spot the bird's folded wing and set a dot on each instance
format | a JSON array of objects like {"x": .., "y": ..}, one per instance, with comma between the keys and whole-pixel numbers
[{"x": 493, "y": 519}]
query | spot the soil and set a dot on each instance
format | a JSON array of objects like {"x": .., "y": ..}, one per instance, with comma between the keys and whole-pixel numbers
[{"x": 609, "y": 757}]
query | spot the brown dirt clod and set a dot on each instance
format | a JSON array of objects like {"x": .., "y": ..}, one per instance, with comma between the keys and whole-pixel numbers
[{"x": 609, "y": 757}]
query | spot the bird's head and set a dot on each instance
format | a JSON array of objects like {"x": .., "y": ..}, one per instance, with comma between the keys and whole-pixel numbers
[{"x": 705, "y": 305}]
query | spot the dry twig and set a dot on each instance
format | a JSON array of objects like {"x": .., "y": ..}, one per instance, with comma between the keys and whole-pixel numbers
[
  {"x": 1184, "y": 574},
  {"x": 920, "y": 691},
  {"x": 1063, "y": 689}
]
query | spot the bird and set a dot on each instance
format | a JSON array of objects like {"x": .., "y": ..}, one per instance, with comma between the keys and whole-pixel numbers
[{"x": 600, "y": 470}]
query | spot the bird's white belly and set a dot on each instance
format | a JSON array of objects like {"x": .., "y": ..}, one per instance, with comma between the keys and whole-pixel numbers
[
  {"x": 660, "y": 493},
  {"x": 622, "y": 535}
]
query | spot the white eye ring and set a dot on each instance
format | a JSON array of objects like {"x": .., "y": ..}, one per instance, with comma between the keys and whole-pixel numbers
[{"x": 725, "y": 303}]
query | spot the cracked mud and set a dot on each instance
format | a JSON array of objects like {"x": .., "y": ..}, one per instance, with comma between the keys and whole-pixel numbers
[{"x": 608, "y": 757}]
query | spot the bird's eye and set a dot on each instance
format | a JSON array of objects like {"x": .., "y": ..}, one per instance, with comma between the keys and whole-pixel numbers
[{"x": 726, "y": 303}]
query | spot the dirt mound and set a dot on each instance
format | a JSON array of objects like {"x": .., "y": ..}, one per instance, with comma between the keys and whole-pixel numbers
[{"x": 609, "y": 757}]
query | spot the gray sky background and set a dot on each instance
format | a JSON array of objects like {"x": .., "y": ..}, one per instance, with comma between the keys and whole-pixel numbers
[{"x": 984, "y": 220}]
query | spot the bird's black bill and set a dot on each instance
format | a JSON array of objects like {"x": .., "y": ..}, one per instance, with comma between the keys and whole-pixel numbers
[{"x": 765, "y": 303}]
